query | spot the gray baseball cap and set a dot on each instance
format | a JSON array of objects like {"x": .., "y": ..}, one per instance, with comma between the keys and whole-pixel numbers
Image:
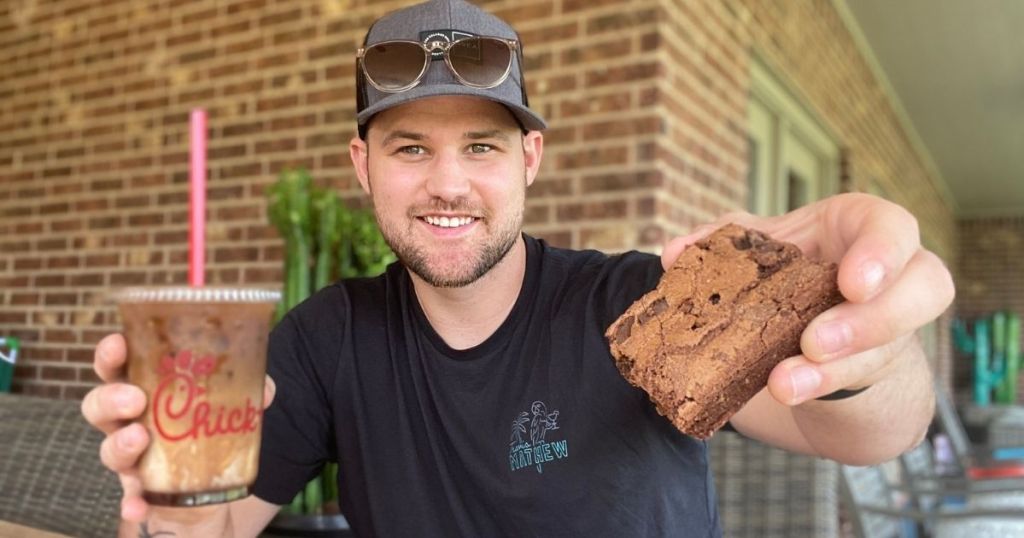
[{"x": 444, "y": 20}]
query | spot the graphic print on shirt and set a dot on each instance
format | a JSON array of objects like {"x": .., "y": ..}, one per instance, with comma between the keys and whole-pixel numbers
[{"x": 536, "y": 451}]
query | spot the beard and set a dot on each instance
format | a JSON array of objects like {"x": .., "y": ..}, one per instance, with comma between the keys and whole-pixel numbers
[{"x": 453, "y": 268}]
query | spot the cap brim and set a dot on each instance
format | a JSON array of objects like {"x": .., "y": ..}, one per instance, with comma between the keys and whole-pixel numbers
[{"x": 529, "y": 120}]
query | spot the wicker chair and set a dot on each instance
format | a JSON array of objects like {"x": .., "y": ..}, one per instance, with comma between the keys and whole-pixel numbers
[
  {"x": 51, "y": 477},
  {"x": 764, "y": 492}
]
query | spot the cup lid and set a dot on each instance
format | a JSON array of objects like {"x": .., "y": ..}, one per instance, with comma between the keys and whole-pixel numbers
[{"x": 186, "y": 294}]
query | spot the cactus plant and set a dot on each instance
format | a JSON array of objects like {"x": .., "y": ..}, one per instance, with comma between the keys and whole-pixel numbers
[{"x": 324, "y": 241}]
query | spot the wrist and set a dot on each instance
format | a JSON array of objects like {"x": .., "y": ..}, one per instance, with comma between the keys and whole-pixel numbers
[{"x": 843, "y": 394}]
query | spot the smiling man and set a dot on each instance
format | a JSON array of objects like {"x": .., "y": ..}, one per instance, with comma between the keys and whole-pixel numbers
[{"x": 469, "y": 390}]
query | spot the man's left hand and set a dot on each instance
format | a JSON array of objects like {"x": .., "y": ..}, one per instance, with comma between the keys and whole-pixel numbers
[{"x": 892, "y": 287}]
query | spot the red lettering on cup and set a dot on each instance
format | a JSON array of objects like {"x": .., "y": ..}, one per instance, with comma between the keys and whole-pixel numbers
[{"x": 181, "y": 407}]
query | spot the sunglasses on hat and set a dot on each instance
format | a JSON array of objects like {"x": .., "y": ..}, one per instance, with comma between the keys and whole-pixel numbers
[{"x": 399, "y": 65}]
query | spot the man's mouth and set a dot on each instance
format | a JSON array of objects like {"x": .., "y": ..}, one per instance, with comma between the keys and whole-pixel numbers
[{"x": 448, "y": 222}]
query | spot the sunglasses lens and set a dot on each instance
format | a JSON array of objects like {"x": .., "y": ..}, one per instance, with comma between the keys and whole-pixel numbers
[
  {"x": 393, "y": 66},
  {"x": 480, "y": 61}
]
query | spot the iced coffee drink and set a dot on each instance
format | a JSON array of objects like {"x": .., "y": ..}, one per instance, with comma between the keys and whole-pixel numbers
[{"x": 200, "y": 356}]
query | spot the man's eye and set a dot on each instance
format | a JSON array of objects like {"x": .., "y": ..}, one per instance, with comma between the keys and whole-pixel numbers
[
  {"x": 412, "y": 150},
  {"x": 480, "y": 148}
]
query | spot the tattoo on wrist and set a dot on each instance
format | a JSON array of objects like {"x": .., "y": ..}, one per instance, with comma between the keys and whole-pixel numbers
[{"x": 144, "y": 531}]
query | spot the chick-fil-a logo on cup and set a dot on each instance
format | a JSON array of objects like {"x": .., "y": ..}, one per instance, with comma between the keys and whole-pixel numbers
[{"x": 181, "y": 408}]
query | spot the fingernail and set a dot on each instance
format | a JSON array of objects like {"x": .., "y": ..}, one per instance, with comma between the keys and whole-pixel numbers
[
  {"x": 805, "y": 381},
  {"x": 871, "y": 275},
  {"x": 833, "y": 336},
  {"x": 123, "y": 400},
  {"x": 127, "y": 440}
]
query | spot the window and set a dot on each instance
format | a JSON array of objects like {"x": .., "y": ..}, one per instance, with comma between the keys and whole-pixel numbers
[{"x": 793, "y": 160}]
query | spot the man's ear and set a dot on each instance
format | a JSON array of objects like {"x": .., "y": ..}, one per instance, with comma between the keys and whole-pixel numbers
[
  {"x": 533, "y": 150},
  {"x": 360, "y": 154}
]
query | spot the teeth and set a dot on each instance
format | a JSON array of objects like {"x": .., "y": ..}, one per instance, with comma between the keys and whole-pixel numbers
[{"x": 448, "y": 222}]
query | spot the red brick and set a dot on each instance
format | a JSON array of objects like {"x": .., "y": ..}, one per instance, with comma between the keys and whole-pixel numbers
[
  {"x": 49, "y": 281},
  {"x": 14, "y": 318},
  {"x": 231, "y": 27},
  {"x": 104, "y": 223},
  {"x": 246, "y": 128},
  {"x": 258, "y": 275},
  {"x": 55, "y": 298},
  {"x": 74, "y": 392},
  {"x": 281, "y": 18},
  {"x": 42, "y": 391},
  {"x": 247, "y": 45},
  {"x": 87, "y": 280},
  {"x": 81, "y": 355},
  {"x": 623, "y": 181},
  {"x": 26, "y": 264},
  {"x": 102, "y": 260},
  {"x": 591, "y": 210},
  {"x": 131, "y": 278},
  {"x": 624, "y": 128},
  {"x": 272, "y": 146},
  {"x": 592, "y": 157},
  {"x": 22, "y": 299},
  {"x": 146, "y": 220},
  {"x": 69, "y": 225},
  {"x": 24, "y": 372},
  {"x": 630, "y": 73},
  {"x": 170, "y": 237}
]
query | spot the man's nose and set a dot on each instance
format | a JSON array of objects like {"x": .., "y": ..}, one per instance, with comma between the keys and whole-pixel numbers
[{"x": 447, "y": 179}]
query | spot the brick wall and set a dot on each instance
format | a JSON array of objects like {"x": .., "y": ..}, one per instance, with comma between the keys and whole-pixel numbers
[
  {"x": 647, "y": 107},
  {"x": 990, "y": 276}
]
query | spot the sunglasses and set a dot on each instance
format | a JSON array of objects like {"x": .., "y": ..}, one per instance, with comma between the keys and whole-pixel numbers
[{"x": 399, "y": 65}]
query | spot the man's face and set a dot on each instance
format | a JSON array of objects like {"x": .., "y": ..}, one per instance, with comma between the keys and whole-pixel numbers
[{"x": 448, "y": 178}]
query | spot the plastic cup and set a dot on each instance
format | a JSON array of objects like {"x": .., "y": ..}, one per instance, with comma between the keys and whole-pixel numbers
[{"x": 200, "y": 356}]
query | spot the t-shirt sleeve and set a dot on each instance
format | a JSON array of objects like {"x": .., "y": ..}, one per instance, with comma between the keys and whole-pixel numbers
[{"x": 297, "y": 425}]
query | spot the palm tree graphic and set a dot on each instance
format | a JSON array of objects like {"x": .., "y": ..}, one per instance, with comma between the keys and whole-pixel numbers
[{"x": 519, "y": 428}]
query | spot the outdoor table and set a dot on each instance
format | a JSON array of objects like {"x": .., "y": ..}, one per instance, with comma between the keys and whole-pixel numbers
[{"x": 13, "y": 530}]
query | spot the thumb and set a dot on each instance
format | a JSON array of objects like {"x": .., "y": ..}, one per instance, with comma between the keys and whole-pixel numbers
[{"x": 675, "y": 246}]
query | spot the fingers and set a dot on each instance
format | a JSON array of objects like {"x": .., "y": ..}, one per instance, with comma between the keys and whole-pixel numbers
[
  {"x": 121, "y": 449},
  {"x": 120, "y": 452},
  {"x": 799, "y": 379},
  {"x": 921, "y": 292},
  {"x": 108, "y": 407},
  {"x": 109, "y": 358},
  {"x": 269, "y": 390},
  {"x": 133, "y": 507},
  {"x": 675, "y": 246},
  {"x": 884, "y": 240}
]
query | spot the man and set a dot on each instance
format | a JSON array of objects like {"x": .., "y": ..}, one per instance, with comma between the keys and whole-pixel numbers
[{"x": 469, "y": 391}]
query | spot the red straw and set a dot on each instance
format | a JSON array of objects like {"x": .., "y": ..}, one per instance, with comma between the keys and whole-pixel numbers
[{"x": 197, "y": 199}]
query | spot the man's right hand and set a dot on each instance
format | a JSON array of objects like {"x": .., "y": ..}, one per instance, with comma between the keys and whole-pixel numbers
[{"x": 115, "y": 408}]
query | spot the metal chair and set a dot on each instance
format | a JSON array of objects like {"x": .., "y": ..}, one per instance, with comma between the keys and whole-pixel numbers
[
  {"x": 876, "y": 511},
  {"x": 975, "y": 462}
]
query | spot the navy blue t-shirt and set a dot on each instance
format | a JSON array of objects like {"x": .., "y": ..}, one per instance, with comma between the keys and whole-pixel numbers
[{"x": 531, "y": 433}]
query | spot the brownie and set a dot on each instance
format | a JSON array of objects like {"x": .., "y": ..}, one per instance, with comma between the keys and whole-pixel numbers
[{"x": 732, "y": 307}]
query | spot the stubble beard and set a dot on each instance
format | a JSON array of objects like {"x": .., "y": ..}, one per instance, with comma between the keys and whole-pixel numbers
[{"x": 416, "y": 259}]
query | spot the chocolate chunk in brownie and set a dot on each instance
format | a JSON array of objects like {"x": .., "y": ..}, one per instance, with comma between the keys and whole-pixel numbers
[{"x": 732, "y": 307}]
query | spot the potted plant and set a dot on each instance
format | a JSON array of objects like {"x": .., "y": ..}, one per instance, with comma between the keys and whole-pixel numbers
[{"x": 324, "y": 240}]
